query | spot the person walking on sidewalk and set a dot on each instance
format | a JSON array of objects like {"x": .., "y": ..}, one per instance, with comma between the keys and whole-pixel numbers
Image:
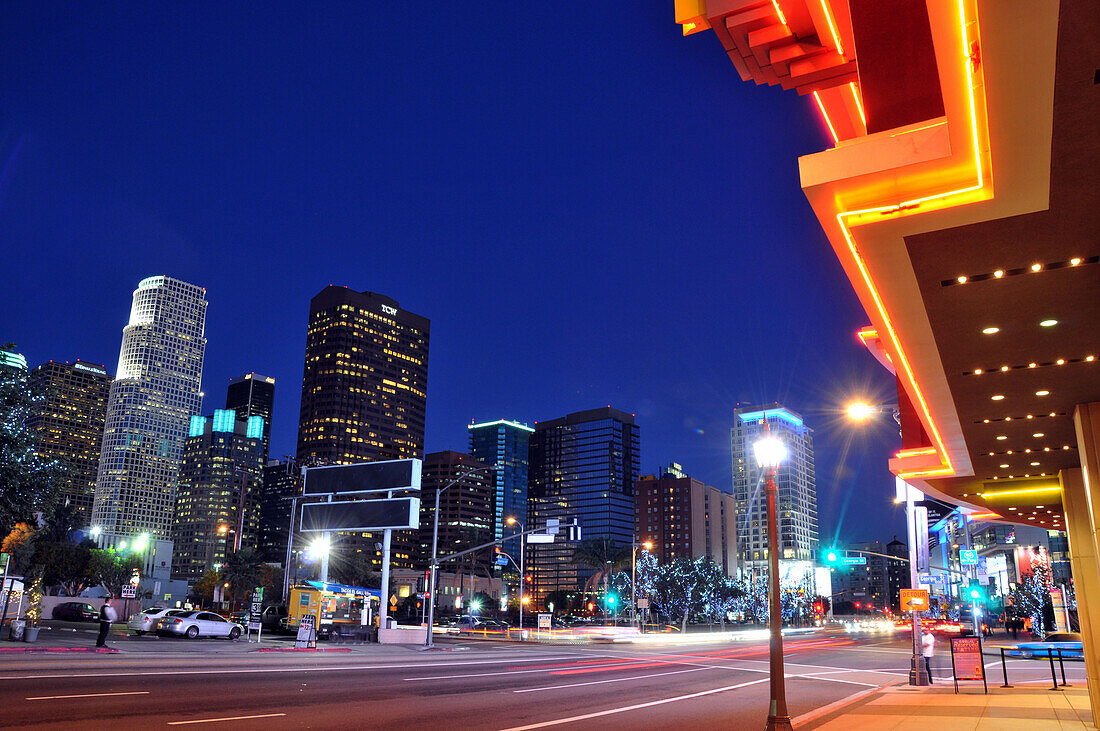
[
  {"x": 107, "y": 614},
  {"x": 927, "y": 646}
]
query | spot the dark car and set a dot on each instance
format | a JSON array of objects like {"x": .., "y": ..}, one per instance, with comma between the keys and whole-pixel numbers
[{"x": 76, "y": 612}]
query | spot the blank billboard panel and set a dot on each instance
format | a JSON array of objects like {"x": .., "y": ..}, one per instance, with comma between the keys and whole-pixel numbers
[
  {"x": 361, "y": 515},
  {"x": 398, "y": 474}
]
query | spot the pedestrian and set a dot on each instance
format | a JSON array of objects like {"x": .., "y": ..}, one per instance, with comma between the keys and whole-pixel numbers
[
  {"x": 927, "y": 646},
  {"x": 1015, "y": 626},
  {"x": 107, "y": 614}
]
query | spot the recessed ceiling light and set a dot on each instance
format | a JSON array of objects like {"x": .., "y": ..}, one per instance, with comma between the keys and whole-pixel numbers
[
  {"x": 1009, "y": 452},
  {"x": 1034, "y": 464},
  {"x": 1012, "y": 508},
  {"x": 991, "y": 330},
  {"x": 998, "y": 397},
  {"x": 1090, "y": 358},
  {"x": 1046, "y": 449},
  {"x": 991, "y": 454},
  {"x": 1048, "y": 323},
  {"x": 1061, "y": 361},
  {"x": 962, "y": 279},
  {"x": 977, "y": 371},
  {"x": 1030, "y": 416},
  {"x": 1074, "y": 261},
  {"x": 1032, "y": 365},
  {"x": 1008, "y": 418},
  {"x": 1004, "y": 368},
  {"x": 1038, "y": 434},
  {"x": 999, "y": 273},
  {"x": 1042, "y": 392},
  {"x": 1027, "y": 451},
  {"x": 985, "y": 421},
  {"x": 1001, "y": 437},
  {"x": 1036, "y": 267},
  {"x": 1003, "y": 467},
  {"x": 1065, "y": 446}
]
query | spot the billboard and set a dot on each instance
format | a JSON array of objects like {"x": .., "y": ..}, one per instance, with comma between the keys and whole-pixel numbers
[
  {"x": 361, "y": 515},
  {"x": 398, "y": 474}
]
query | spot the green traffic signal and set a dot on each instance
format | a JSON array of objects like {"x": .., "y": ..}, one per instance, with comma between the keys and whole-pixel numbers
[
  {"x": 611, "y": 599},
  {"x": 831, "y": 556}
]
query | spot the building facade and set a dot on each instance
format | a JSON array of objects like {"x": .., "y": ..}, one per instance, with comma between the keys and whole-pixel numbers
[
  {"x": 505, "y": 444},
  {"x": 583, "y": 466},
  {"x": 68, "y": 426},
  {"x": 465, "y": 510},
  {"x": 218, "y": 498},
  {"x": 253, "y": 395},
  {"x": 282, "y": 483},
  {"x": 874, "y": 586},
  {"x": 157, "y": 388},
  {"x": 682, "y": 517},
  {"x": 364, "y": 394},
  {"x": 797, "y": 499}
]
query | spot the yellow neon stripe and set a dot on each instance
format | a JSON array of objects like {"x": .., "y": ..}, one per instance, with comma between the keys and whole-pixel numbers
[
  {"x": 914, "y": 452},
  {"x": 836, "y": 140},
  {"x": 832, "y": 28},
  {"x": 1019, "y": 492},
  {"x": 949, "y": 467},
  {"x": 775, "y": 4},
  {"x": 859, "y": 104}
]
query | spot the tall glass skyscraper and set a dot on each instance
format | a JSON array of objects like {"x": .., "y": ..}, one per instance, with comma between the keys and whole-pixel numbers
[
  {"x": 253, "y": 395},
  {"x": 68, "y": 425},
  {"x": 797, "y": 505},
  {"x": 505, "y": 444},
  {"x": 583, "y": 466},
  {"x": 157, "y": 388}
]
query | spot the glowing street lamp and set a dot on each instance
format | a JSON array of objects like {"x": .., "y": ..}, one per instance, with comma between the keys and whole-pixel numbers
[
  {"x": 523, "y": 599},
  {"x": 770, "y": 452},
  {"x": 860, "y": 411}
]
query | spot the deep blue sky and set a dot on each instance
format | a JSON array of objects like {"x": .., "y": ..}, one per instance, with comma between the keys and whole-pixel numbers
[{"x": 590, "y": 208}]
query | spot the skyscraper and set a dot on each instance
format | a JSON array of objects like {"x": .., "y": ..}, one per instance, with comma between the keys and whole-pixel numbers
[
  {"x": 465, "y": 510},
  {"x": 68, "y": 425},
  {"x": 684, "y": 518},
  {"x": 218, "y": 498},
  {"x": 797, "y": 499},
  {"x": 364, "y": 390},
  {"x": 505, "y": 444},
  {"x": 282, "y": 483},
  {"x": 583, "y": 466},
  {"x": 13, "y": 362},
  {"x": 365, "y": 380},
  {"x": 253, "y": 395},
  {"x": 157, "y": 388}
]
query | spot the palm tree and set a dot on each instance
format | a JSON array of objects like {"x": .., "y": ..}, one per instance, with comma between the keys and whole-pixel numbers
[
  {"x": 242, "y": 572},
  {"x": 604, "y": 556}
]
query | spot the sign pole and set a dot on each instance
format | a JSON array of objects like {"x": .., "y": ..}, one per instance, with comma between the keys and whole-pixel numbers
[
  {"x": 918, "y": 673},
  {"x": 383, "y": 611}
]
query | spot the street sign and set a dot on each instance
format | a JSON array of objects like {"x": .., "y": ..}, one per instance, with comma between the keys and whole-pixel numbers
[
  {"x": 553, "y": 525},
  {"x": 853, "y": 560},
  {"x": 307, "y": 632},
  {"x": 643, "y": 602},
  {"x": 931, "y": 579},
  {"x": 502, "y": 561},
  {"x": 540, "y": 538},
  {"x": 129, "y": 591},
  {"x": 393, "y": 599},
  {"x": 4, "y": 558},
  {"x": 544, "y": 620},
  {"x": 914, "y": 599},
  {"x": 968, "y": 557},
  {"x": 258, "y": 594}
]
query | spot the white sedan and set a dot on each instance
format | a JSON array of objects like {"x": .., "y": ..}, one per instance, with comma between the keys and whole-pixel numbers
[
  {"x": 146, "y": 621},
  {"x": 199, "y": 624}
]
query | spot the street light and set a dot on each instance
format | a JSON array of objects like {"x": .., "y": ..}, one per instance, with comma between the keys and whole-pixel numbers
[
  {"x": 647, "y": 545},
  {"x": 769, "y": 454},
  {"x": 435, "y": 548},
  {"x": 512, "y": 520}
]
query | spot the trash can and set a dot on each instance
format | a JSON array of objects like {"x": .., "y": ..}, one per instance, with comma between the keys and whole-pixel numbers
[
  {"x": 391, "y": 623},
  {"x": 17, "y": 627}
]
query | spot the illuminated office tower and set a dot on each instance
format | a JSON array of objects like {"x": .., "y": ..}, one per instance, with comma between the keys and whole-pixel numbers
[
  {"x": 506, "y": 445},
  {"x": 797, "y": 499},
  {"x": 68, "y": 426},
  {"x": 253, "y": 395},
  {"x": 157, "y": 388}
]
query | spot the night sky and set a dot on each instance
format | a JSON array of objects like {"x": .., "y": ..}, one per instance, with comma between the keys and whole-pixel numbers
[{"x": 590, "y": 208}]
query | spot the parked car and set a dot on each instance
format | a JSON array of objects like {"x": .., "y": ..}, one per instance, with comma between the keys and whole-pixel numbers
[
  {"x": 199, "y": 623},
  {"x": 76, "y": 612},
  {"x": 1068, "y": 642},
  {"x": 146, "y": 620}
]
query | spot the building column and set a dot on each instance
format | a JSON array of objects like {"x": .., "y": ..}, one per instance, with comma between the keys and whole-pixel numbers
[{"x": 1081, "y": 503}]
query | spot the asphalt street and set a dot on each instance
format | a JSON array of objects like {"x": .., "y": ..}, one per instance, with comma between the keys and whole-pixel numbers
[{"x": 469, "y": 685}]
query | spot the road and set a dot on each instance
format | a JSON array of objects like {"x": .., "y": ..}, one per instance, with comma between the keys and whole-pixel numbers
[{"x": 468, "y": 685}]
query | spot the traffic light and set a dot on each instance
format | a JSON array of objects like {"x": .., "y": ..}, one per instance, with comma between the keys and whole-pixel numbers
[
  {"x": 974, "y": 593},
  {"x": 832, "y": 557},
  {"x": 612, "y": 600}
]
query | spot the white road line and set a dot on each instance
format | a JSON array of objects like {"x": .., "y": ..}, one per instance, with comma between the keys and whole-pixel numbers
[
  {"x": 227, "y": 718},
  {"x": 612, "y": 680},
  {"x": 833, "y": 680},
  {"x": 232, "y": 671},
  {"x": 84, "y": 695},
  {"x": 636, "y": 706},
  {"x": 612, "y": 665}
]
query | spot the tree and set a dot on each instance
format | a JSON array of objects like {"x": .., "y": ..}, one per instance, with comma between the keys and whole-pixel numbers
[
  {"x": 19, "y": 544},
  {"x": 604, "y": 556},
  {"x": 61, "y": 524},
  {"x": 680, "y": 588},
  {"x": 110, "y": 570},
  {"x": 1033, "y": 593},
  {"x": 242, "y": 573},
  {"x": 65, "y": 565},
  {"x": 560, "y": 599},
  {"x": 29, "y": 484},
  {"x": 202, "y": 592}
]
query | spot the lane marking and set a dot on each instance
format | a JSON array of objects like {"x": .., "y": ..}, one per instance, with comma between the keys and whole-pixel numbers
[
  {"x": 85, "y": 695},
  {"x": 834, "y": 680},
  {"x": 636, "y": 706},
  {"x": 227, "y": 718},
  {"x": 612, "y": 680}
]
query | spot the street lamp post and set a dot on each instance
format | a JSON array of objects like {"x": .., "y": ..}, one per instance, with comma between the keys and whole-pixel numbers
[
  {"x": 633, "y": 577},
  {"x": 769, "y": 453},
  {"x": 522, "y": 564},
  {"x": 435, "y": 555}
]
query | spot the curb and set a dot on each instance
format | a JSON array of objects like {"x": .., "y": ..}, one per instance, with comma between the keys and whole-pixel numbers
[
  {"x": 835, "y": 706},
  {"x": 303, "y": 649},
  {"x": 94, "y": 650}
]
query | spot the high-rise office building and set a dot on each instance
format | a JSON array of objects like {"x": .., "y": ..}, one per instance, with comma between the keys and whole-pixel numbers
[
  {"x": 68, "y": 425},
  {"x": 583, "y": 467},
  {"x": 365, "y": 381},
  {"x": 505, "y": 444},
  {"x": 157, "y": 388},
  {"x": 797, "y": 499},
  {"x": 218, "y": 498},
  {"x": 682, "y": 517},
  {"x": 364, "y": 390},
  {"x": 282, "y": 483},
  {"x": 465, "y": 510},
  {"x": 13, "y": 362},
  {"x": 253, "y": 395}
]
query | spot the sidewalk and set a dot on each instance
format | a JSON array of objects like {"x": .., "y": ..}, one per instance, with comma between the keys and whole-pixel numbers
[{"x": 938, "y": 708}]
